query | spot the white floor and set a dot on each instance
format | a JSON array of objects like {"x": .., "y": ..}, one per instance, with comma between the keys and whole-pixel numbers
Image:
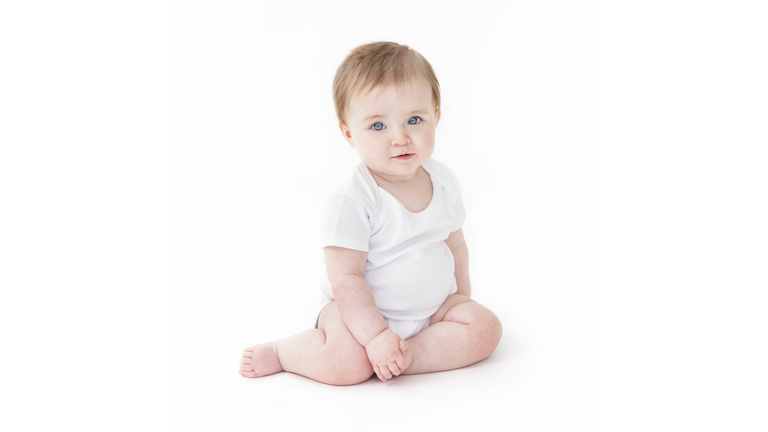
[{"x": 521, "y": 383}]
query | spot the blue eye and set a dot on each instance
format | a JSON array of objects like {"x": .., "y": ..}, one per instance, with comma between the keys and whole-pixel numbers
[
  {"x": 414, "y": 120},
  {"x": 377, "y": 126}
]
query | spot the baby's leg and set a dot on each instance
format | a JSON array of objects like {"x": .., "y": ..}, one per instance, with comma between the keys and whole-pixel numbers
[
  {"x": 329, "y": 354},
  {"x": 460, "y": 333}
]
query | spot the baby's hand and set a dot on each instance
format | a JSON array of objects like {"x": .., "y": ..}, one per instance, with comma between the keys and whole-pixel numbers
[{"x": 386, "y": 352}]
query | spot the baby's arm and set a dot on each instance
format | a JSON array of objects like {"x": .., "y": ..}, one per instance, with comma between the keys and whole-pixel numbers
[
  {"x": 458, "y": 246},
  {"x": 359, "y": 313}
]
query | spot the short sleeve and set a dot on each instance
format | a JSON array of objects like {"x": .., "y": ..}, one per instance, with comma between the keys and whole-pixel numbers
[
  {"x": 346, "y": 222},
  {"x": 460, "y": 214}
]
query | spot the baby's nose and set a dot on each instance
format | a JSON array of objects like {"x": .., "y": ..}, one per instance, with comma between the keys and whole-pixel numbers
[{"x": 401, "y": 139}]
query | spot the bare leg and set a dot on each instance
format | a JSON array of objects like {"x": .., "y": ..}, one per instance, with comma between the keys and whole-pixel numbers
[
  {"x": 329, "y": 354},
  {"x": 460, "y": 333}
]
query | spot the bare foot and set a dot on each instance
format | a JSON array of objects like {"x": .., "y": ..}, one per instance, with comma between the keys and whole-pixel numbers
[{"x": 260, "y": 360}]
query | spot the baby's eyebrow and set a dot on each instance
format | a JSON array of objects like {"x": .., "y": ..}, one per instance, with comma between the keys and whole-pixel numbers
[
  {"x": 372, "y": 117},
  {"x": 369, "y": 118}
]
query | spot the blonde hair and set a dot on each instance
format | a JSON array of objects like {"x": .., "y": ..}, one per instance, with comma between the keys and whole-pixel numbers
[{"x": 376, "y": 64}]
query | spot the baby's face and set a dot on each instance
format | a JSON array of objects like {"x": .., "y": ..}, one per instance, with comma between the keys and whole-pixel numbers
[{"x": 393, "y": 129}]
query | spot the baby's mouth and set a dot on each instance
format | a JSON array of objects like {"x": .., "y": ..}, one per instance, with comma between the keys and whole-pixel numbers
[{"x": 403, "y": 156}]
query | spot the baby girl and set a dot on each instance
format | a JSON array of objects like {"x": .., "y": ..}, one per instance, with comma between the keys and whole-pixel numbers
[{"x": 397, "y": 262}]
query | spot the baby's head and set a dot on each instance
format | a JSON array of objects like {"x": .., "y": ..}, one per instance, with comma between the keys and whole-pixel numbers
[
  {"x": 380, "y": 64},
  {"x": 387, "y": 100}
]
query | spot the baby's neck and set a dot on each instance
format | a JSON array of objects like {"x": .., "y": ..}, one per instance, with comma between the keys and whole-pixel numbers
[
  {"x": 415, "y": 194},
  {"x": 400, "y": 182}
]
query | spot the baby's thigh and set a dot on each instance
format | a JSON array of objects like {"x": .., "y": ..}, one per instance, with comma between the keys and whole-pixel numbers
[
  {"x": 329, "y": 313},
  {"x": 337, "y": 335},
  {"x": 350, "y": 358},
  {"x": 449, "y": 303}
]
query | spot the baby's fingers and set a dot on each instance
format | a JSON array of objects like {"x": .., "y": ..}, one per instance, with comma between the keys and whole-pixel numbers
[
  {"x": 378, "y": 373},
  {"x": 385, "y": 372},
  {"x": 394, "y": 369},
  {"x": 400, "y": 361}
]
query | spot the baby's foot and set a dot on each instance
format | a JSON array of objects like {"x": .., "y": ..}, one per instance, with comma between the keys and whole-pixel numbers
[{"x": 260, "y": 360}]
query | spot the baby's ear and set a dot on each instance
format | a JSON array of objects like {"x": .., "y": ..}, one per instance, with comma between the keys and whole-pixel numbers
[{"x": 346, "y": 133}]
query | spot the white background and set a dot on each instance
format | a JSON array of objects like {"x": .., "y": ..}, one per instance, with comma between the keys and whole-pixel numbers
[{"x": 161, "y": 171}]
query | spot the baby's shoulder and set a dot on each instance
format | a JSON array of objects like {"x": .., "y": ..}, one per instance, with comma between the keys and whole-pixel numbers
[{"x": 356, "y": 185}]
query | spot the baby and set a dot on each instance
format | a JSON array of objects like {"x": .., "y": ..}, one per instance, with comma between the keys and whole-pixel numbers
[{"x": 395, "y": 253}]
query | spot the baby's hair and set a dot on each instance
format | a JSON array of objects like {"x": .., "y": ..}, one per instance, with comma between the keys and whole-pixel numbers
[{"x": 376, "y": 64}]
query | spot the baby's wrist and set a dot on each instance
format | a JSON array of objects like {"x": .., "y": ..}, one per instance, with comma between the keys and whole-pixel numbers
[{"x": 376, "y": 336}]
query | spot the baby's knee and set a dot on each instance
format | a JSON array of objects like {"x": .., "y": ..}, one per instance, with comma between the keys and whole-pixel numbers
[
  {"x": 351, "y": 372},
  {"x": 349, "y": 369},
  {"x": 488, "y": 331},
  {"x": 346, "y": 361},
  {"x": 494, "y": 328}
]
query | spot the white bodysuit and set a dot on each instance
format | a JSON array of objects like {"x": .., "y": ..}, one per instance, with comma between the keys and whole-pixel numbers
[{"x": 410, "y": 267}]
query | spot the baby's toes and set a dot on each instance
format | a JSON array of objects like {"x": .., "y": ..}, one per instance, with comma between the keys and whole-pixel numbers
[
  {"x": 248, "y": 374},
  {"x": 246, "y": 368},
  {"x": 246, "y": 364}
]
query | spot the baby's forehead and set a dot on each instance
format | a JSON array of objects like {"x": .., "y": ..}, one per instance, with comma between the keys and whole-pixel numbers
[
  {"x": 406, "y": 89},
  {"x": 407, "y": 86}
]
